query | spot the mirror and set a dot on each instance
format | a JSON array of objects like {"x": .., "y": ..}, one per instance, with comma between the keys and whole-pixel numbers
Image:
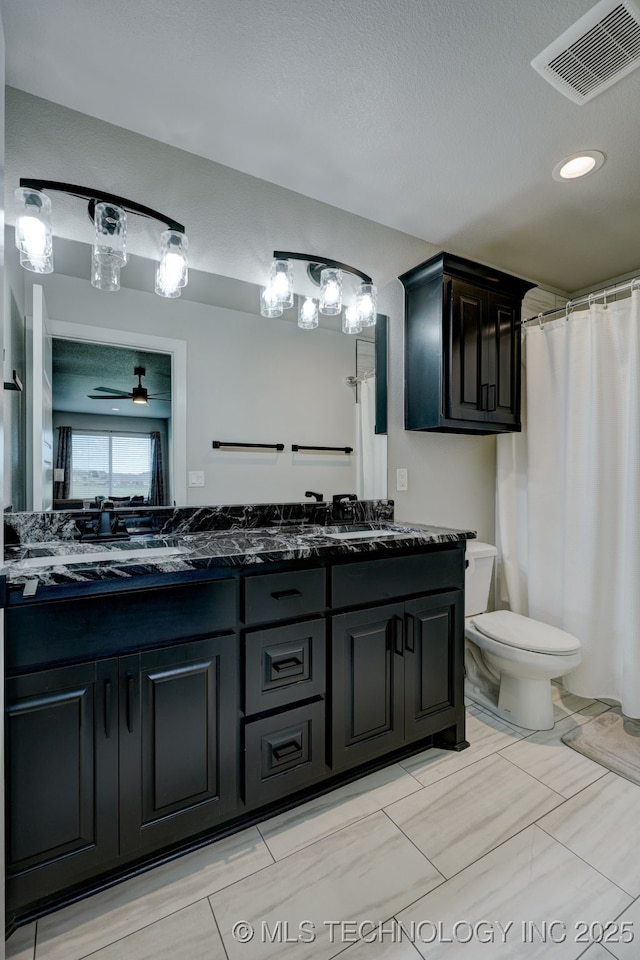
[{"x": 246, "y": 380}]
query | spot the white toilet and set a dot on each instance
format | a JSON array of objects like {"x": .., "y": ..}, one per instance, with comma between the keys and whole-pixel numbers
[{"x": 509, "y": 659}]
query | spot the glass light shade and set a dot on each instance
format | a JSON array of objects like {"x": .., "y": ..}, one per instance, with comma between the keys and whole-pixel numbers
[
  {"x": 104, "y": 276},
  {"x": 172, "y": 271},
  {"x": 307, "y": 313},
  {"x": 281, "y": 282},
  {"x": 350, "y": 322},
  {"x": 110, "y": 243},
  {"x": 269, "y": 304},
  {"x": 330, "y": 292},
  {"x": 367, "y": 304},
  {"x": 34, "y": 235}
]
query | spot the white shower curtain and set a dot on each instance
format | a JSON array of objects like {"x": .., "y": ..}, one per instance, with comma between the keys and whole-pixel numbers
[
  {"x": 372, "y": 447},
  {"x": 569, "y": 494}
]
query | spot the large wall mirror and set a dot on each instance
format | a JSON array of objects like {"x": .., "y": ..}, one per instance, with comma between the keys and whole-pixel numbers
[{"x": 214, "y": 369}]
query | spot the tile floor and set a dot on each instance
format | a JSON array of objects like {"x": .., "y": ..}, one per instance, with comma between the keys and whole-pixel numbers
[{"x": 516, "y": 847}]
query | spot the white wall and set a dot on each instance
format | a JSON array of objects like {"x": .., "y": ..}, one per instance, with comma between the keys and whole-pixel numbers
[{"x": 250, "y": 380}]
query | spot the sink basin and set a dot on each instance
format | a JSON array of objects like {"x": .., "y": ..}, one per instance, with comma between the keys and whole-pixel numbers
[
  {"x": 366, "y": 534},
  {"x": 96, "y": 556}
]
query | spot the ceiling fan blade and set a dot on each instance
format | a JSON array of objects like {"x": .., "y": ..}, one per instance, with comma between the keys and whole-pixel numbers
[
  {"x": 164, "y": 399},
  {"x": 123, "y": 393},
  {"x": 107, "y": 396}
]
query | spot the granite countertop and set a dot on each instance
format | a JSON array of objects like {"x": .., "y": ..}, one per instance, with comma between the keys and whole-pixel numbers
[{"x": 175, "y": 553}]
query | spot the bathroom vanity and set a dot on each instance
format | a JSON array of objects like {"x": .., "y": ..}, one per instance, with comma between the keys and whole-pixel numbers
[{"x": 153, "y": 705}]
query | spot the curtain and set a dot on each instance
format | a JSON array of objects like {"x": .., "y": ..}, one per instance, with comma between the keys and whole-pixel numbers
[
  {"x": 372, "y": 447},
  {"x": 156, "y": 493},
  {"x": 569, "y": 494},
  {"x": 62, "y": 488}
]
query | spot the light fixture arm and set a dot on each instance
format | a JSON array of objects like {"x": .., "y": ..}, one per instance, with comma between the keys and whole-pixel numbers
[
  {"x": 317, "y": 264},
  {"x": 93, "y": 196}
]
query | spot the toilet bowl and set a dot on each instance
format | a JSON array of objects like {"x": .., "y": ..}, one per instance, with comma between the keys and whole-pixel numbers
[{"x": 510, "y": 660}]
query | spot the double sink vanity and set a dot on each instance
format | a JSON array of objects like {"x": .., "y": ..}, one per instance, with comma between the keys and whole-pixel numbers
[{"x": 222, "y": 665}]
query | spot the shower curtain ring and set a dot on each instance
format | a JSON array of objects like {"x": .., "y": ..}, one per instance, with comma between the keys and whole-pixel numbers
[
  {"x": 604, "y": 300},
  {"x": 540, "y": 321}
]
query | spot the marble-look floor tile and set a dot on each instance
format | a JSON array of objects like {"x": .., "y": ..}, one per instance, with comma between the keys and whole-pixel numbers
[
  {"x": 565, "y": 703},
  {"x": 365, "y": 872},
  {"x": 383, "y": 943},
  {"x": 189, "y": 934},
  {"x": 530, "y": 879},
  {"x": 311, "y": 821},
  {"x": 486, "y": 735},
  {"x": 21, "y": 944},
  {"x": 84, "y": 927},
  {"x": 548, "y": 759},
  {"x": 624, "y": 943},
  {"x": 462, "y": 817},
  {"x": 601, "y": 825}
]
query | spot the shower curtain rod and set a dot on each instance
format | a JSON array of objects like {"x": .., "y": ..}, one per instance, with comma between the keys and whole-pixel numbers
[{"x": 579, "y": 301}]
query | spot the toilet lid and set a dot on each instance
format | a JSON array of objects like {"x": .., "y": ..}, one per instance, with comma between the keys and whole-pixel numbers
[{"x": 518, "y": 631}]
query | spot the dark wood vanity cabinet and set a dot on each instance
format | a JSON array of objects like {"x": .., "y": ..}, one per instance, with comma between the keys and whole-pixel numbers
[
  {"x": 396, "y": 672},
  {"x": 462, "y": 347},
  {"x": 139, "y": 720}
]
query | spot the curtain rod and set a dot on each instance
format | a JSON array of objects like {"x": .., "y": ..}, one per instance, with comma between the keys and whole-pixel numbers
[{"x": 579, "y": 301}]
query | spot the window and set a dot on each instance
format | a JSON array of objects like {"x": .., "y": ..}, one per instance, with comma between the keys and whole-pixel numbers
[{"x": 110, "y": 464}]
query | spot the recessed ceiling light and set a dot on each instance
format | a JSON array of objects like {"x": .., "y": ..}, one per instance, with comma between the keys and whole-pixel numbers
[
  {"x": 578, "y": 165},
  {"x": 115, "y": 408}
]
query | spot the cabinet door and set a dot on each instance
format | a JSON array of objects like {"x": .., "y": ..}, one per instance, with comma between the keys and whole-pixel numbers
[
  {"x": 465, "y": 388},
  {"x": 433, "y": 671},
  {"x": 367, "y": 648},
  {"x": 61, "y": 777},
  {"x": 178, "y": 741},
  {"x": 502, "y": 366}
]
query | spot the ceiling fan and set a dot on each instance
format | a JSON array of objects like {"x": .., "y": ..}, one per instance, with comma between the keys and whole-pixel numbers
[{"x": 138, "y": 394}]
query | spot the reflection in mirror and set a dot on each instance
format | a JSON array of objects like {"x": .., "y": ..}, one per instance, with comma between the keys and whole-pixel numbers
[{"x": 248, "y": 379}]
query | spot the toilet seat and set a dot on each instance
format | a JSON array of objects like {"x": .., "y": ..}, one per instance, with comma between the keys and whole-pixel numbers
[{"x": 524, "y": 633}]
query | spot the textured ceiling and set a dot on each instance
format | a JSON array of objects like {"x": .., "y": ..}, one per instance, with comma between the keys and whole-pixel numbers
[
  {"x": 80, "y": 367},
  {"x": 423, "y": 116}
]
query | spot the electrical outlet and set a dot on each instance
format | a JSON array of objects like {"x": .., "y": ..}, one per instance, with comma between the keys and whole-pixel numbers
[
  {"x": 402, "y": 479},
  {"x": 196, "y": 478}
]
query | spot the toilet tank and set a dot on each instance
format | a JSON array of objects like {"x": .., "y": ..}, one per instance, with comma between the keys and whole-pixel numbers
[{"x": 477, "y": 579}]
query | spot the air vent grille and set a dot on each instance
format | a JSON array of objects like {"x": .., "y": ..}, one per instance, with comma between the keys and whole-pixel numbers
[{"x": 600, "y": 49}]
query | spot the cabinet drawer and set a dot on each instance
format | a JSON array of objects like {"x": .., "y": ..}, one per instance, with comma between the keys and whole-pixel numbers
[
  {"x": 284, "y": 665},
  {"x": 283, "y": 596},
  {"x": 284, "y": 753},
  {"x": 85, "y": 628},
  {"x": 373, "y": 581}
]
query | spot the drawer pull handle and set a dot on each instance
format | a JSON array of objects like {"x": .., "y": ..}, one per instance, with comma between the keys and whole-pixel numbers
[
  {"x": 398, "y": 630},
  {"x": 287, "y": 664},
  {"x": 285, "y": 594},
  {"x": 130, "y": 683},
  {"x": 409, "y": 643},
  {"x": 287, "y": 749},
  {"x": 107, "y": 709}
]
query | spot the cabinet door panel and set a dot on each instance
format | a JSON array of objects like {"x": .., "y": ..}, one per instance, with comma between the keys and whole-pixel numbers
[
  {"x": 467, "y": 308},
  {"x": 179, "y": 733},
  {"x": 432, "y": 660},
  {"x": 504, "y": 359},
  {"x": 368, "y": 685},
  {"x": 61, "y": 773}
]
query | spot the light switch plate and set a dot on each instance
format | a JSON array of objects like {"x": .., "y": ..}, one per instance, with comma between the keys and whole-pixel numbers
[
  {"x": 196, "y": 478},
  {"x": 402, "y": 479}
]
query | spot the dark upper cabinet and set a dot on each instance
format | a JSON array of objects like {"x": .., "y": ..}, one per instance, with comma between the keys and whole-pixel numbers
[{"x": 462, "y": 347}]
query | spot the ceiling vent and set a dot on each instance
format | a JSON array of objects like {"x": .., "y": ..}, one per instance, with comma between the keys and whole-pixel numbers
[{"x": 596, "y": 52}]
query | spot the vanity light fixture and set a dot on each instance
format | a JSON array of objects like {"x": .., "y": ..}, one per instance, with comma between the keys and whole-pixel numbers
[
  {"x": 338, "y": 292},
  {"x": 109, "y": 254},
  {"x": 578, "y": 165}
]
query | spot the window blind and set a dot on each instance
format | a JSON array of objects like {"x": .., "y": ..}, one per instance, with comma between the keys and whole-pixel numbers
[{"x": 110, "y": 464}]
